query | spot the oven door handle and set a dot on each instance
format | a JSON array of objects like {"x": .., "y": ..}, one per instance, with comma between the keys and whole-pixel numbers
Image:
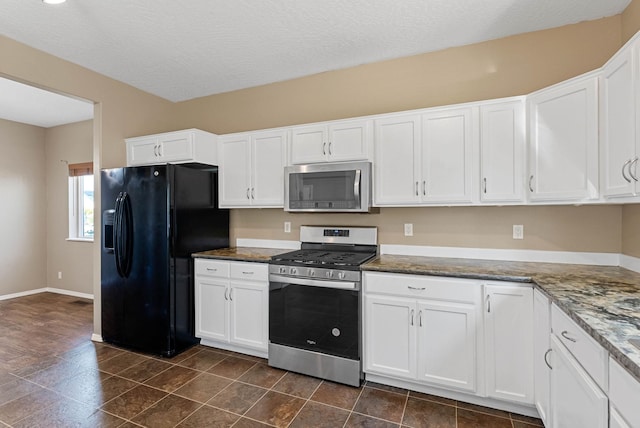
[{"x": 342, "y": 285}]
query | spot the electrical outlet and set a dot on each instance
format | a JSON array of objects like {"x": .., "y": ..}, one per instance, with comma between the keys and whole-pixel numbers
[
  {"x": 59, "y": 275},
  {"x": 287, "y": 227},
  {"x": 408, "y": 229},
  {"x": 518, "y": 231}
]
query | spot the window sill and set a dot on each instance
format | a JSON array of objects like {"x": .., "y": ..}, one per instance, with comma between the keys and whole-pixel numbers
[{"x": 79, "y": 239}]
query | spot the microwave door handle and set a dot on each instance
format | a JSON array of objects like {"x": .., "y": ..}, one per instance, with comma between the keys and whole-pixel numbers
[{"x": 356, "y": 186}]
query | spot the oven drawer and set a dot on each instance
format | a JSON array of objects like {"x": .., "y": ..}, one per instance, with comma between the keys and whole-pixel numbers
[
  {"x": 216, "y": 268},
  {"x": 585, "y": 349},
  {"x": 422, "y": 286},
  {"x": 250, "y": 271}
]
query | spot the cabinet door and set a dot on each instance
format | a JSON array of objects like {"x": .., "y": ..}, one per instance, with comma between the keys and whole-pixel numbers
[
  {"x": 447, "y": 156},
  {"x": 509, "y": 342},
  {"x": 309, "y": 144},
  {"x": 234, "y": 153},
  {"x": 143, "y": 151},
  {"x": 616, "y": 420},
  {"x": 268, "y": 160},
  {"x": 397, "y": 154},
  {"x": 249, "y": 314},
  {"x": 617, "y": 124},
  {"x": 390, "y": 336},
  {"x": 541, "y": 349},
  {"x": 564, "y": 142},
  {"x": 447, "y": 344},
  {"x": 212, "y": 309},
  {"x": 349, "y": 140},
  {"x": 577, "y": 400},
  {"x": 176, "y": 146},
  {"x": 502, "y": 142}
]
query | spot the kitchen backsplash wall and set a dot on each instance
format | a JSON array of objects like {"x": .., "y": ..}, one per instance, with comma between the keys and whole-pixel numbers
[
  {"x": 631, "y": 230},
  {"x": 553, "y": 228}
]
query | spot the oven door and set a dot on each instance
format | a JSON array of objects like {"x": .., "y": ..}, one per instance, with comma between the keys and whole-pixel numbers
[{"x": 316, "y": 315}]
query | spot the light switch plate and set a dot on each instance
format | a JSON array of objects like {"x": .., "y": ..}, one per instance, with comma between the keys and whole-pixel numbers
[
  {"x": 408, "y": 229},
  {"x": 287, "y": 227},
  {"x": 518, "y": 231}
]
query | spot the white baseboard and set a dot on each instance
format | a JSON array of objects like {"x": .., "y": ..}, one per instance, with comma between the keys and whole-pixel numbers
[
  {"x": 96, "y": 338},
  {"x": 47, "y": 290},
  {"x": 23, "y": 293},
  {"x": 629, "y": 262},
  {"x": 268, "y": 243},
  {"x": 600, "y": 259}
]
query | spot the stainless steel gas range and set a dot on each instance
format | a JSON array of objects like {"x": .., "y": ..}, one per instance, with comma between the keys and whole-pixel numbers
[{"x": 315, "y": 303}]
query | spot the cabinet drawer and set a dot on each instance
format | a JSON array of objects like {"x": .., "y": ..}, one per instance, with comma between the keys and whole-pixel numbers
[
  {"x": 583, "y": 347},
  {"x": 250, "y": 271},
  {"x": 205, "y": 267},
  {"x": 419, "y": 286},
  {"x": 624, "y": 391}
]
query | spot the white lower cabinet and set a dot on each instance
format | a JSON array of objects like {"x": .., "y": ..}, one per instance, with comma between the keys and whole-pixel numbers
[
  {"x": 508, "y": 326},
  {"x": 624, "y": 396},
  {"x": 231, "y": 301},
  {"x": 541, "y": 351},
  {"x": 422, "y": 329},
  {"x": 576, "y": 399}
]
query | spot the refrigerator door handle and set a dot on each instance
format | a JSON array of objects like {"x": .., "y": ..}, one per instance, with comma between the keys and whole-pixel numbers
[
  {"x": 117, "y": 234},
  {"x": 127, "y": 234}
]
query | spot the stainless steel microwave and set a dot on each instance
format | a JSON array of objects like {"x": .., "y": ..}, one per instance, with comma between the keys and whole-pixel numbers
[{"x": 328, "y": 187}]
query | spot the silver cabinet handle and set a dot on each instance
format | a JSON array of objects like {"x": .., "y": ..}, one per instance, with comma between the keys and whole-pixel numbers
[
  {"x": 417, "y": 189},
  {"x": 212, "y": 269},
  {"x": 424, "y": 187},
  {"x": 330, "y": 148},
  {"x": 230, "y": 294},
  {"x": 624, "y": 165},
  {"x": 253, "y": 195},
  {"x": 226, "y": 291},
  {"x": 247, "y": 272},
  {"x": 530, "y": 181},
  {"x": 416, "y": 288},
  {"x": 484, "y": 183},
  {"x": 160, "y": 150},
  {"x": 248, "y": 193},
  {"x": 420, "y": 318},
  {"x": 412, "y": 313},
  {"x": 633, "y": 162},
  {"x": 488, "y": 303},
  {"x": 565, "y": 334},
  {"x": 545, "y": 358},
  {"x": 324, "y": 146},
  {"x": 155, "y": 150}
]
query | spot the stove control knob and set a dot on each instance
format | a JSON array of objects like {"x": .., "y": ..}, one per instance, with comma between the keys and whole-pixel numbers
[
  {"x": 312, "y": 272},
  {"x": 282, "y": 269},
  {"x": 293, "y": 271},
  {"x": 329, "y": 274},
  {"x": 340, "y": 275}
]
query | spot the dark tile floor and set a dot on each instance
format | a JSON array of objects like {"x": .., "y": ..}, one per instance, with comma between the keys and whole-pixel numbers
[{"x": 52, "y": 375}]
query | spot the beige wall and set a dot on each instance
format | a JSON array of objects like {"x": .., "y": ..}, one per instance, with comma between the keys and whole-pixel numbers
[
  {"x": 64, "y": 145},
  {"x": 510, "y": 66},
  {"x": 22, "y": 217}
]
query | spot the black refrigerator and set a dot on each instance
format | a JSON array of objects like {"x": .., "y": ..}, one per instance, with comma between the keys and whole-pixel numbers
[{"x": 153, "y": 219}]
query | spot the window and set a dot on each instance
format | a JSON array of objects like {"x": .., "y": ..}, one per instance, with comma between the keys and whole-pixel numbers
[{"x": 81, "y": 201}]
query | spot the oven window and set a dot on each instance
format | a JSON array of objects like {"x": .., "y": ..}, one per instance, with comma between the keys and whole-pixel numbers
[
  {"x": 318, "y": 319},
  {"x": 324, "y": 190}
]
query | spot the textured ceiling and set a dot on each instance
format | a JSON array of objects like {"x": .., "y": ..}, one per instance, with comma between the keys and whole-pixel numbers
[{"x": 181, "y": 50}]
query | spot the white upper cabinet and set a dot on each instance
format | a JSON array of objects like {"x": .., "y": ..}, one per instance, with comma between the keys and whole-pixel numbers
[
  {"x": 397, "y": 156},
  {"x": 338, "y": 141},
  {"x": 502, "y": 148},
  {"x": 618, "y": 139},
  {"x": 563, "y": 141},
  {"x": 449, "y": 138},
  {"x": 426, "y": 158},
  {"x": 190, "y": 145},
  {"x": 252, "y": 169}
]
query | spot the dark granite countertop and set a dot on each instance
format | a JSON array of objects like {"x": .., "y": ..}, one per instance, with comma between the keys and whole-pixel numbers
[
  {"x": 242, "y": 254},
  {"x": 604, "y": 300}
]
